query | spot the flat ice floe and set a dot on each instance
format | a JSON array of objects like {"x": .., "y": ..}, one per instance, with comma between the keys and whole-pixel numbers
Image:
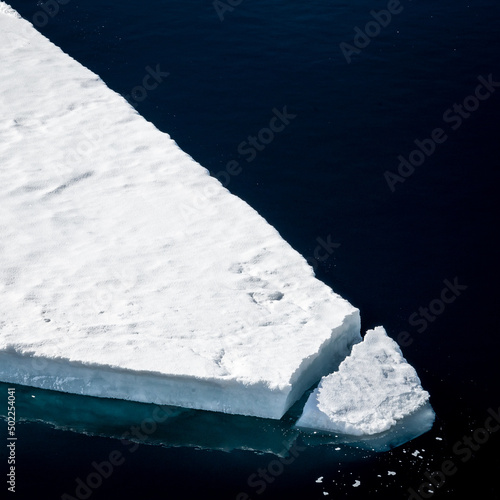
[
  {"x": 127, "y": 271},
  {"x": 374, "y": 391}
]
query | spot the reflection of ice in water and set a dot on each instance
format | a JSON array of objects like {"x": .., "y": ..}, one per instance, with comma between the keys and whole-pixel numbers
[
  {"x": 173, "y": 426},
  {"x": 154, "y": 424}
]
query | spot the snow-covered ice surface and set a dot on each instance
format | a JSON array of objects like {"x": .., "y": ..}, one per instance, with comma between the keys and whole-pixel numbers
[
  {"x": 127, "y": 271},
  {"x": 375, "y": 395}
]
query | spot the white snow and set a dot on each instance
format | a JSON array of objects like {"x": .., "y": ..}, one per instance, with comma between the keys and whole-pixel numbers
[
  {"x": 373, "y": 390},
  {"x": 127, "y": 271},
  {"x": 8, "y": 10}
]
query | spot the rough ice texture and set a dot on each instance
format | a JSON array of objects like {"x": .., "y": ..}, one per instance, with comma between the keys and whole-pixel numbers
[
  {"x": 127, "y": 271},
  {"x": 373, "y": 389}
]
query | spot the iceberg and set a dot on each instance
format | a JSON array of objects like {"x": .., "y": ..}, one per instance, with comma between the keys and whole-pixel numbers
[
  {"x": 129, "y": 272},
  {"x": 375, "y": 396}
]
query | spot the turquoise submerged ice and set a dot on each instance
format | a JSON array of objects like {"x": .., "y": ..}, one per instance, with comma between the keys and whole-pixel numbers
[{"x": 127, "y": 271}]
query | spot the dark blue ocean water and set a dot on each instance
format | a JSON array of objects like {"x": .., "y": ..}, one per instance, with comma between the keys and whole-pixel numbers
[{"x": 322, "y": 177}]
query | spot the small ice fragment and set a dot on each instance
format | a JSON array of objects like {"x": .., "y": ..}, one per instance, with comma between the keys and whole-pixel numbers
[
  {"x": 374, "y": 390},
  {"x": 320, "y": 479}
]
